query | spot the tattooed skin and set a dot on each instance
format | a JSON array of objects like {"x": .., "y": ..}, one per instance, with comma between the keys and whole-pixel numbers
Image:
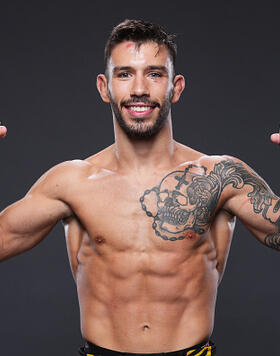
[
  {"x": 186, "y": 200},
  {"x": 273, "y": 240}
]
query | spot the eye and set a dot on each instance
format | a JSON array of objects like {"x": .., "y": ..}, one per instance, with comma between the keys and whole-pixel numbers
[
  {"x": 182, "y": 200},
  {"x": 123, "y": 75},
  {"x": 155, "y": 75},
  {"x": 179, "y": 198}
]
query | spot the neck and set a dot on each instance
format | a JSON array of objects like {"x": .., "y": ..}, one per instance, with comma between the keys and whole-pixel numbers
[{"x": 143, "y": 154}]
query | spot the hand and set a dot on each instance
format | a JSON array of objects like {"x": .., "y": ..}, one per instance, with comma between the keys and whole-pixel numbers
[
  {"x": 275, "y": 138},
  {"x": 3, "y": 131}
]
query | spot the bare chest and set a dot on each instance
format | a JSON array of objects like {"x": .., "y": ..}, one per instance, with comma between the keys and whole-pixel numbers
[{"x": 177, "y": 206}]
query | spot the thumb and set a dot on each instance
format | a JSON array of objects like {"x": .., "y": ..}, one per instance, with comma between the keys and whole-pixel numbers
[
  {"x": 3, "y": 131},
  {"x": 275, "y": 138}
]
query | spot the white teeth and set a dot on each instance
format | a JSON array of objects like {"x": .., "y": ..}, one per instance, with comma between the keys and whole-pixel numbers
[{"x": 140, "y": 108}]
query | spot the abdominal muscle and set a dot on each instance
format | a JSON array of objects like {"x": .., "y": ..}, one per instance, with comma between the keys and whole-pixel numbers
[{"x": 145, "y": 302}]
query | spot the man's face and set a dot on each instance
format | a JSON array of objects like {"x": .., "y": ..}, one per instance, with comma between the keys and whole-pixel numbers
[{"x": 140, "y": 87}]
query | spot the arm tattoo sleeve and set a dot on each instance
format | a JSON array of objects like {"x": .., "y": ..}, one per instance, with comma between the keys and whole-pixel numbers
[
  {"x": 186, "y": 200},
  {"x": 273, "y": 240}
]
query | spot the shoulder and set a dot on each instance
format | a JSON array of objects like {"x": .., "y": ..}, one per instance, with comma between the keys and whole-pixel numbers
[
  {"x": 189, "y": 156},
  {"x": 56, "y": 180},
  {"x": 213, "y": 162},
  {"x": 66, "y": 170},
  {"x": 76, "y": 170},
  {"x": 232, "y": 175}
]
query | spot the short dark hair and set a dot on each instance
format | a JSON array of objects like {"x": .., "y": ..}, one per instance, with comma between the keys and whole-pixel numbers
[{"x": 140, "y": 31}]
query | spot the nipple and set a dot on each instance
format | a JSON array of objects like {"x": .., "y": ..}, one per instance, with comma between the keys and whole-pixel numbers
[
  {"x": 99, "y": 240},
  {"x": 189, "y": 235}
]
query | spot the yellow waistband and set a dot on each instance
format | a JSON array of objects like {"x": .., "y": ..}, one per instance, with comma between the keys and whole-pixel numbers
[
  {"x": 191, "y": 352},
  {"x": 200, "y": 352}
]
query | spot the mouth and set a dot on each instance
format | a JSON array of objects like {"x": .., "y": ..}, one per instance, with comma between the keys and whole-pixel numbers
[{"x": 139, "y": 110}]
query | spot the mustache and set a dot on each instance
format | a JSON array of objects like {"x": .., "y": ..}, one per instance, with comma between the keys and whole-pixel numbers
[{"x": 140, "y": 99}]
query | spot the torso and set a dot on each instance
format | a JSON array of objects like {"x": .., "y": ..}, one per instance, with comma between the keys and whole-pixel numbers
[{"x": 146, "y": 260}]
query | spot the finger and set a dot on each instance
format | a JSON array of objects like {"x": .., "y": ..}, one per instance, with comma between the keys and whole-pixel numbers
[
  {"x": 275, "y": 138},
  {"x": 3, "y": 131}
]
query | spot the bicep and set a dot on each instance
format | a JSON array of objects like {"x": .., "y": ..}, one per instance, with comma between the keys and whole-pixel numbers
[
  {"x": 26, "y": 222},
  {"x": 253, "y": 202}
]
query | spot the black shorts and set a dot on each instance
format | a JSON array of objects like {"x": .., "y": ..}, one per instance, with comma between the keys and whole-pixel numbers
[{"x": 204, "y": 349}]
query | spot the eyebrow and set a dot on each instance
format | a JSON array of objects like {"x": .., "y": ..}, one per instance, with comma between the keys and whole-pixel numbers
[{"x": 152, "y": 67}]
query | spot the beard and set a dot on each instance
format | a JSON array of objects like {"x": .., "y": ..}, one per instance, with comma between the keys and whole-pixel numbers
[{"x": 140, "y": 129}]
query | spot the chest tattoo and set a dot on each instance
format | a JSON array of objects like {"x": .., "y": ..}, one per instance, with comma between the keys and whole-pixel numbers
[{"x": 185, "y": 200}]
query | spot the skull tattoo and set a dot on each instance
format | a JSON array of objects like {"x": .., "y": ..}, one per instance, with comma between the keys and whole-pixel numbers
[
  {"x": 181, "y": 202},
  {"x": 187, "y": 200}
]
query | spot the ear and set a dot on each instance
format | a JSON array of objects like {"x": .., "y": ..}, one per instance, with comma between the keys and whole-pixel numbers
[
  {"x": 178, "y": 87},
  {"x": 102, "y": 87}
]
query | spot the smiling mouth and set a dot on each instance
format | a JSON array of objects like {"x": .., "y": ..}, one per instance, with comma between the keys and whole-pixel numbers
[{"x": 140, "y": 110}]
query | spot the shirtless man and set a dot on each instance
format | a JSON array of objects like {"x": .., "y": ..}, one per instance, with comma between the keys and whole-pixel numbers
[{"x": 148, "y": 220}]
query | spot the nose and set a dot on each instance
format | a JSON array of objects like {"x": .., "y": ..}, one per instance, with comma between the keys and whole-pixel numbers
[{"x": 139, "y": 86}]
